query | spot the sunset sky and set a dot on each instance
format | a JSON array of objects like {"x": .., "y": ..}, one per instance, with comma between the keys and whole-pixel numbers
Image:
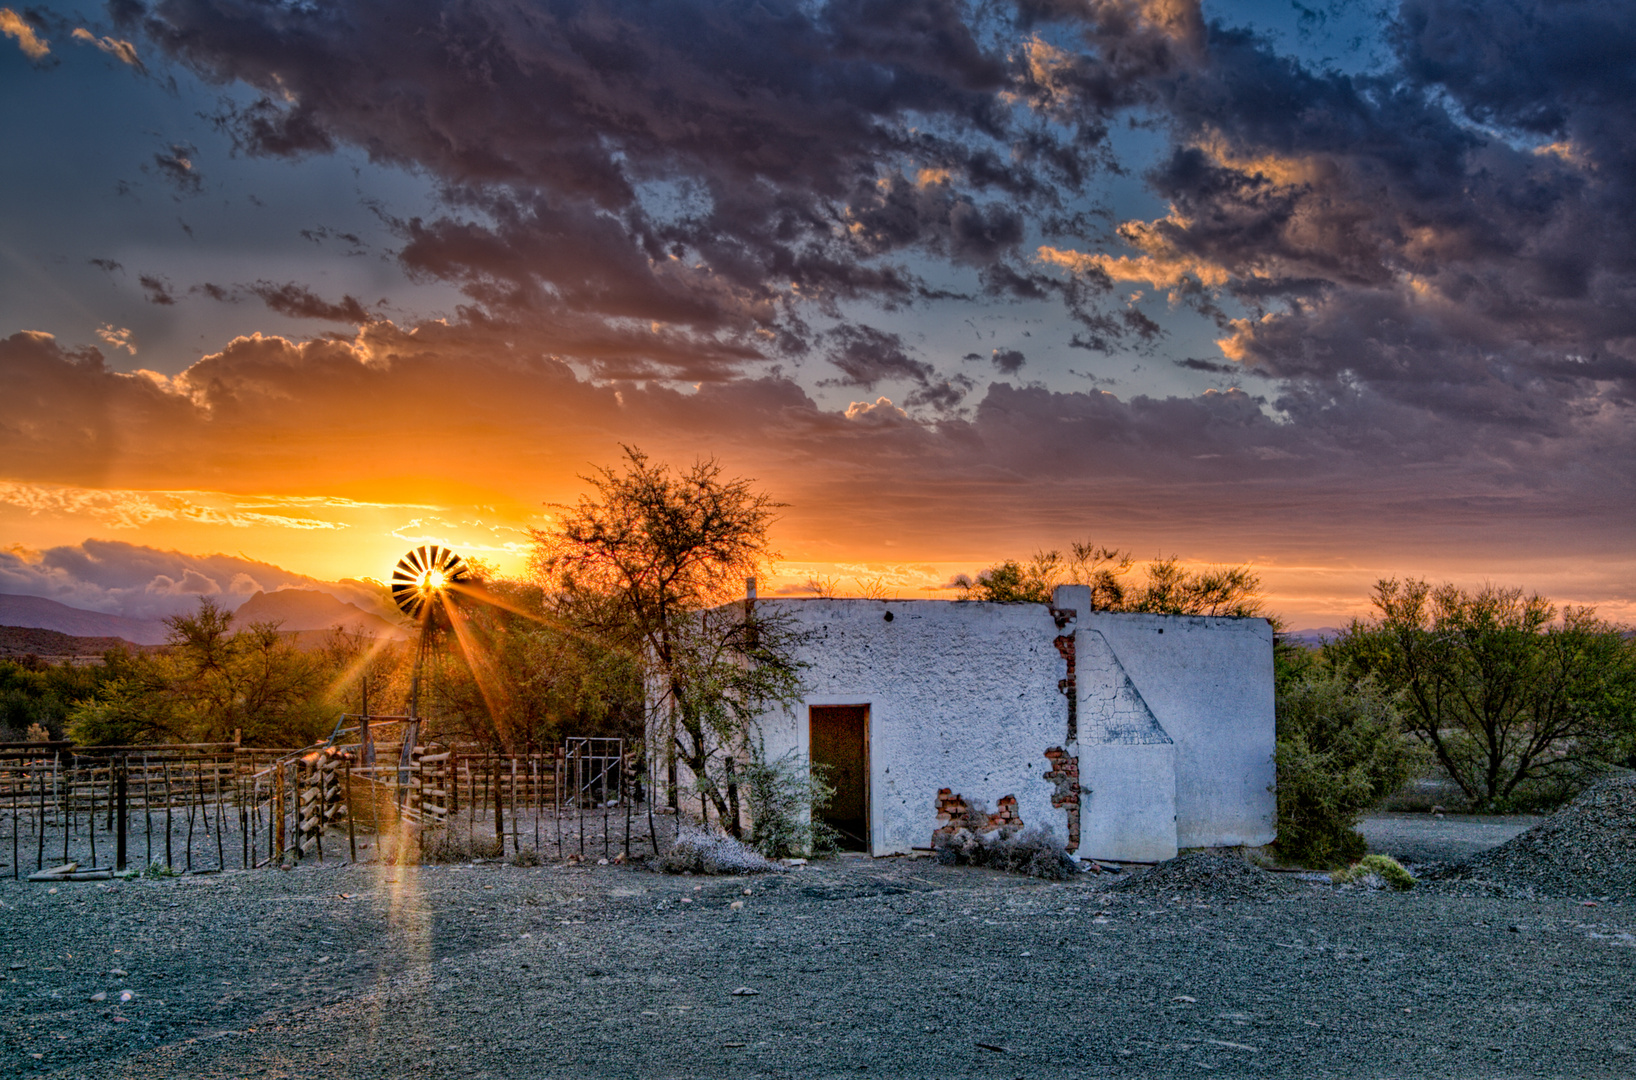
[{"x": 1341, "y": 290}]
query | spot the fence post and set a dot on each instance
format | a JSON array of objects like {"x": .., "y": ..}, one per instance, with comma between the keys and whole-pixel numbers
[
  {"x": 516, "y": 848},
  {"x": 169, "y": 863},
  {"x": 15, "y": 786},
  {"x": 121, "y": 795},
  {"x": 352, "y": 836},
  {"x": 221, "y": 814},
  {"x": 91, "y": 817},
  {"x": 277, "y": 819},
  {"x": 39, "y": 837},
  {"x": 147, "y": 806}
]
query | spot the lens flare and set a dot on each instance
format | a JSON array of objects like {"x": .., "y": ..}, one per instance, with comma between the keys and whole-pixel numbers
[{"x": 424, "y": 575}]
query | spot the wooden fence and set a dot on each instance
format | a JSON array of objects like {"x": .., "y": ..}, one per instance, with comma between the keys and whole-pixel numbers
[{"x": 210, "y": 807}]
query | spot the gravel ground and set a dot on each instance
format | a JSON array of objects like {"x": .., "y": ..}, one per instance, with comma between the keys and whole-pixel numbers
[
  {"x": 1424, "y": 839},
  {"x": 1588, "y": 848},
  {"x": 892, "y": 967}
]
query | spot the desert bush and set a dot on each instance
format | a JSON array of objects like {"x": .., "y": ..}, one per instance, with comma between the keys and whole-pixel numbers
[
  {"x": 1034, "y": 851},
  {"x": 704, "y": 852},
  {"x": 1339, "y": 751},
  {"x": 1386, "y": 869},
  {"x": 785, "y": 796},
  {"x": 1520, "y": 702}
]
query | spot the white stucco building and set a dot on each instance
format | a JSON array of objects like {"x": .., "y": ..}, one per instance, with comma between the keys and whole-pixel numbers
[{"x": 1129, "y": 735}]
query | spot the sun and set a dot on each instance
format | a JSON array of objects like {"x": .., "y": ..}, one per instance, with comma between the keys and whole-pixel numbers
[{"x": 424, "y": 575}]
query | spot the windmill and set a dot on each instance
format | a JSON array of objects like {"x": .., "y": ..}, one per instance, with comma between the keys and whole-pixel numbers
[{"x": 421, "y": 583}]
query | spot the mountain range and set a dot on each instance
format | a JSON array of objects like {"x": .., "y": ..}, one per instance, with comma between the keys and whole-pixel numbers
[
  {"x": 297, "y": 611},
  {"x": 43, "y": 614}
]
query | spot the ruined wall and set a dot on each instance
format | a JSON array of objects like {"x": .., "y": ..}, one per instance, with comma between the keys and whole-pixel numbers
[
  {"x": 1127, "y": 761},
  {"x": 962, "y": 696},
  {"x": 1209, "y": 684}
]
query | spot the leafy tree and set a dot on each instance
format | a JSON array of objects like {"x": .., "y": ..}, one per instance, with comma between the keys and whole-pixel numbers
[
  {"x": 646, "y": 563},
  {"x": 38, "y": 696},
  {"x": 1505, "y": 694},
  {"x": 1165, "y": 586},
  {"x": 517, "y": 679},
  {"x": 1339, "y": 751},
  {"x": 208, "y": 682}
]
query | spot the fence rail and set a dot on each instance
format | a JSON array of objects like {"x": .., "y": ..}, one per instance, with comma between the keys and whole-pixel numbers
[{"x": 210, "y": 807}]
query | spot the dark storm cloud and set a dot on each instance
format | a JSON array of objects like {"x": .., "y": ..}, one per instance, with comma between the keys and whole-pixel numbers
[
  {"x": 108, "y": 266},
  {"x": 1008, "y": 361},
  {"x": 1452, "y": 238},
  {"x": 158, "y": 290},
  {"x": 867, "y": 356},
  {"x": 299, "y": 302},
  {"x": 714, "y": 165},
  {"x": 176, "y": 165},
  {"x": 1432, "y": 265}
]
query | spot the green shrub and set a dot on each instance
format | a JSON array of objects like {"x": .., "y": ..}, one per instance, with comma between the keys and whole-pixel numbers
[
  {"x": 1339, "y": 751},
  {"x": 785, "y": 797},
  {"x": 1384, "y": 867}
]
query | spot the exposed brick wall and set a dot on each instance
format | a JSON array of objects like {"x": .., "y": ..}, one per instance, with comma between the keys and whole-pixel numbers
[
  {"x": 1070, "y": 684},
  {"x": 954, "y": 813},
  {"x": 1064, "y": 776}
]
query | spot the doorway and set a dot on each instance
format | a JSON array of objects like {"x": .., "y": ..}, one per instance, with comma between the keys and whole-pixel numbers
[{"x": 839, "y": 747}]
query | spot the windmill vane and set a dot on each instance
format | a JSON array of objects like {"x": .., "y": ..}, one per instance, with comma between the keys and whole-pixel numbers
[{"x": 422, "y": 574}]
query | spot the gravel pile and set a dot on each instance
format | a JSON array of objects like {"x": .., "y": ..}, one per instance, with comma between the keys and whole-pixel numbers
[
  {"x": 1586, "y": 849},
  {"x": 1209, "y": 877}
]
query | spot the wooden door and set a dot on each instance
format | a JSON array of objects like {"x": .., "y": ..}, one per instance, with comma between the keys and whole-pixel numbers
[{"x": 840, "y": 748}]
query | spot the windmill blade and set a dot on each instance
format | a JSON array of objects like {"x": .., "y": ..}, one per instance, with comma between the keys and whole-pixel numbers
[{"x": 422, "y": 574}]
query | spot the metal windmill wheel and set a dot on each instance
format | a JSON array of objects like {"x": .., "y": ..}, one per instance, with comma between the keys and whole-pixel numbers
[
  {"x": 422, "y": 575},
  {"x": 425, "y": 574}
]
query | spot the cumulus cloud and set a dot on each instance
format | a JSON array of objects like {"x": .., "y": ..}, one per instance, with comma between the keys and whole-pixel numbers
[
  {"x": 28, "y": 39},
  {"x": 119, "y": 337},
  {"x": 123, "y": 51},
  {"x": 148, "y": 583}
]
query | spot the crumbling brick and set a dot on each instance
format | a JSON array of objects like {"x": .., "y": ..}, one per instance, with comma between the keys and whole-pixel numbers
[
  {"x": 1006, "y": 815},
  {"x": 955, "y": 813},
  {"x": 1069, "y": 685},
  {"x": 1064, "y": 776}
]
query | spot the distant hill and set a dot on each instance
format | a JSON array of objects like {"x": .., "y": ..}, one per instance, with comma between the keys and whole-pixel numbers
[
  {"x": 52, "y": 645},
  {"x": 1312, "y": 639},
  {"x": 309, "y": 610},
  {"x": 39, "y": 613}
]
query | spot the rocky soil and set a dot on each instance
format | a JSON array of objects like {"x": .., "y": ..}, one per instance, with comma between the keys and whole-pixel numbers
[
  {"x": 846, "y": 967},
  {"x": 1586, "y": 849}
]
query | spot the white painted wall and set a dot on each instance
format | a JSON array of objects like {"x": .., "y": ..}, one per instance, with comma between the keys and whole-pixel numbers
[
  {"x": 1127, "y": 761},
  {"x": 962, "y": 695},
  {"x": 1127, "y": 802},
  {"x": 1209, "y": 682}
]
